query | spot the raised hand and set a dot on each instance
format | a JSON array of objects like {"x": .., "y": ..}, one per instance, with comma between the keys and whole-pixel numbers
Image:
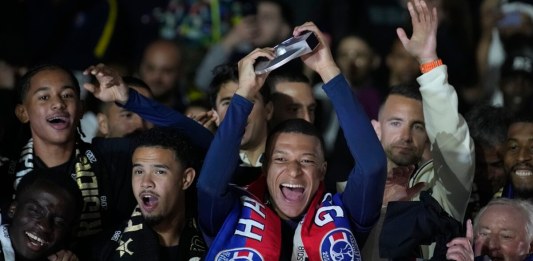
[
  {"x": 320, "y": 60},
  {"x": 111, "y": 87},
  {"x": 397, "y": 185},
  {"x": 208, "y": 119},
  {"x": 249, "y": 82},
  {"x": 460, "y": 248},
  {"x": 423, "y": 43}
]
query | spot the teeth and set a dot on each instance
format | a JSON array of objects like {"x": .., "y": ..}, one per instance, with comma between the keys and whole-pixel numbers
[
  {"x": 292, "y": 185},
  {"x": 36, "y": 238},
  {"x": 523, "y": 173}
]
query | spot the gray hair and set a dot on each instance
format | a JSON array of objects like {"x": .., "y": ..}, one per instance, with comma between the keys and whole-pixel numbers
[{"x": 524, "y": 206}]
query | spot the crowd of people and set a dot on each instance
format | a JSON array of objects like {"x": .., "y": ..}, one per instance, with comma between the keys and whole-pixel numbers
[{"x": 343, "y": 153}]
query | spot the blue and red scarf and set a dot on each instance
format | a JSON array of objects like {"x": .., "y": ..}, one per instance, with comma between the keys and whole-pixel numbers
[{"x": 252, "y": 230}]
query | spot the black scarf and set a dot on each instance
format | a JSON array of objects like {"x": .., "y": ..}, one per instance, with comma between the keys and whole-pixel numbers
[{"x": 137, "y": 241}]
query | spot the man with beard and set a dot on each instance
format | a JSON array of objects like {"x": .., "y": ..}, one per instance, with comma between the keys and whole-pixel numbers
[
  {"x": 162, "y": 226},
  {"x": 518, "y": 158},
  {"x": 411, "y": 117}
]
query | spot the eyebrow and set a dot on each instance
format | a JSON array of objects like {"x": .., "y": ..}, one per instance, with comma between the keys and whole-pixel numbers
[
  {"x": 47, "y": 88},
  {"x": 154, "y": 166}
]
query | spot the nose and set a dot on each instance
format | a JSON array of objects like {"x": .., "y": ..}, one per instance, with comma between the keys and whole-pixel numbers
[
  {"x": 493, "y": 243},
  {"x": 57, "y": 103},
  {"x": 138, "y": 122},
  {"x": 525, "y": 154},
  {"x": 44, "y": 223},
  {"x": 294, "y": 169},
  {"x": 406, "y": 134},
  {"x": 146, "y": 181},
  {"x": 307, "y": 115}
]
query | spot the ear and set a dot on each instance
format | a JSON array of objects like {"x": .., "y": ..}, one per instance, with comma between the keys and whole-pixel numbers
[
  {"x": 12, "y": 209},
  {"x": 188, "y": 178},
  {"x": 269, "y": 110},
  {"x": 323, "y": 169},
  {"x": 377, "y": 128},
  {"x": 103, "y": 125},
  {"x": 21, "y": 113}
]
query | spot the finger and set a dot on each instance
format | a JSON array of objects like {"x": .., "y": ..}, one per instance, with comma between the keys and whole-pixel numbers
[
  {"x": 52, "y": 257},
  {"x": 469, "y": 231},
  {"x": 413, "y": 13},
  {"x": 415, "y": 190},
  {"x": 89, "y": 87},
  {"x": 402, "y": 36},
  {"x": 423, "y": 12}
]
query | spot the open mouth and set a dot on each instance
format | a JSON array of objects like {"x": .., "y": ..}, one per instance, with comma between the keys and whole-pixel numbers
[
  {"x": 36, "y": 242},
  {"x": 58, "y": 122},
  {"x": 292, "y": 192},
  {"x": 149, "y": 201}
]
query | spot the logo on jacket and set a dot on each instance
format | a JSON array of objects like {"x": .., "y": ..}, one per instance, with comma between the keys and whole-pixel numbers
[
  {"x": 339, "y": 244},
  {"x": 239, "y": 254}
]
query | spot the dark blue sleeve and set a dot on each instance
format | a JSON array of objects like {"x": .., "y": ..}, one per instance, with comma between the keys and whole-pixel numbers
[
  {"x": 363, "y": 195},
  {"x": 161, "y": 115},
  {"x": 215, "y": 198}
]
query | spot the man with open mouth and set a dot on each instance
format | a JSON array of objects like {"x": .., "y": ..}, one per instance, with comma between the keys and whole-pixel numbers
[
  {"x": 286, "y": 214},
  {"x": 44, "y": 214}
]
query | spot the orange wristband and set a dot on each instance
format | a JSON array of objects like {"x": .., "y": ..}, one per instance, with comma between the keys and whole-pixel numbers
[{"x": 426, "y": 67}]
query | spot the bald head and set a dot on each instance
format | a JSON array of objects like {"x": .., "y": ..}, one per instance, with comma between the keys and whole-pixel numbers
[{"x": 160, "y": 67}]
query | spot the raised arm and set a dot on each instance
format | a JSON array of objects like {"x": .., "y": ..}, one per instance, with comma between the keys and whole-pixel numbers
[
  {"x": 111, "y": 88},
  {"x": 364, "y": 192},
  {"x": 215, "y": 198},
  {"x": 452, "y": 148}
]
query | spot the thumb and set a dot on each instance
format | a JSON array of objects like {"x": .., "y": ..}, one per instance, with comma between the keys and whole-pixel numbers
[
  {"x": 89, "y": 87},
  {"x": 415, "y": 190},
  {"x": 402, "y": 36}
]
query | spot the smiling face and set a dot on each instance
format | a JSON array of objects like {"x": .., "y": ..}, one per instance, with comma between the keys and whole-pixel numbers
[
  {"x": 42, "y": 220},
  {"x": 401, "y": 130},
  {"x": 518, "y": 157},
  {"x": 501, "y": 233},
  {"x": 51, "y": 106},
  {"x": 295, "y": 168},
  {"x": 159, "y": 182}
]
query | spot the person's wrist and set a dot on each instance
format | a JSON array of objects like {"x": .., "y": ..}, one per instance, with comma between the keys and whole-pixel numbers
[
  {"x": 328, "y": 72},
  {"x": 124, "y": 96},
  {"x": 430, "y": 65}
]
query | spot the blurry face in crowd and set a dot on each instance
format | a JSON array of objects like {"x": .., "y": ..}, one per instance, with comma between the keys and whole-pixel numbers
[
  {"x": 159, "y": 182},
  {"x": 293, "y": 100},
  {"x": 356, "y": 59},
  {"x": 517, "y": 92},
  {"x": 271, "y": 29},
  {"x": 256, "y": 128},
  {"x": 489, "y": 163},
  {"x": 52, "y": 107},
  {"x": 116, "y": 121},
  {"x": 294, "y": 172},
  {"x": 403, "y": 66},
  {"x": 160, "y": 67},
  {"x": 42, "y": 221},
  {"x": 401, "y": 130},
  {"x": 502, "y": 235},
  {"x": 518, "y": 157}
]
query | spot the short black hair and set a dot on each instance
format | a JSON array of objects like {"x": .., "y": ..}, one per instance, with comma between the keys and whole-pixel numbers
[
  {"x": 284, "y": 75},
  {"x": 408, "y": 90},
  {"x": 172, "y": 139},
  {"x": 293, "y": 126},
  {"x": 24, "y": 83},
  {"x": 61, "y": 181},
  {"x": 525, "y": 117},
  {"x": 488, "y": 124},
  {"x": 225, "y": 73}
]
